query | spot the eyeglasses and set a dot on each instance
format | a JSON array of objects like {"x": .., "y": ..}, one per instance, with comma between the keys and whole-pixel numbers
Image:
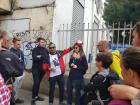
[
  {"x": 51, "y": 47},
  {"x": 99, "y": 45}
]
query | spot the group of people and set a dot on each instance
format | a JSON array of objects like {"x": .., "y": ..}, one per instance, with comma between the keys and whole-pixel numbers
[
  {"x": 51, "y": 63},
  {"x": 116, "y": 79},
  {"x": 116, "y": 82}
]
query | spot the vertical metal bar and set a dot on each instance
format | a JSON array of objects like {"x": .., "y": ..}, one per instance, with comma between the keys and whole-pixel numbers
[
  {"x": 113, "y": 34},
  {"x": 66, "y": 40},
  {"x": 97, "y": 37},
  {"x": 71, "y": 27},
  {"x": 92, "y": 44},
  {"x": 59, "y": 37},
  {"x": 63, "y": 37},
  {"x": 102, "y": 32},
  {"x": 83, "y": 27},
  {"x": 130, "y": 33},
  {"x": 118, "y": 34},
  {"x": 67, "y": 35},
  {"x": 108, "y": 30},
  {"x": 124, "y": 34},
  {"x": 87, "y": 40}
]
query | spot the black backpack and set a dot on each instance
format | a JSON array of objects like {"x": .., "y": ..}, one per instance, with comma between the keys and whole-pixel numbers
[{"x": 9, "y": 65}]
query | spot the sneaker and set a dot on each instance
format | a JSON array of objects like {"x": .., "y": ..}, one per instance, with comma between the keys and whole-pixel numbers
[
  {"x": 33, "y": 102},
  {"x": 62, "y": 103},
  {"x": 19, "y": 101},
  {"x": 39, "y": 99},
  {"x": 50, "y": 103}
]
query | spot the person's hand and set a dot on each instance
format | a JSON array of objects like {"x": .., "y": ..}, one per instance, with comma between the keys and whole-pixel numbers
[
  {"x": 74, "y": 66},
  {"x": 123, "y": 92},
  {"x": 2, "y": 49},
  {"x": 52, "y": 69}
]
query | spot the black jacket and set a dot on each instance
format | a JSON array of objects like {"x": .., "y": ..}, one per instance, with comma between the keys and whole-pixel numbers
[
  {"x": 81, "y": 69},
  {"x": 40, "y": 55},
  {"x": 20, "y": 55},
  {"x": 100, "y": 82},
  {"x": 9, "y": 65}
]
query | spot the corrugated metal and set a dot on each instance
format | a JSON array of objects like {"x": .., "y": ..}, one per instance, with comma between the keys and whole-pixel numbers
[
  {"x": 82, "y": 2},
  {"x": 78, "y": 17}
]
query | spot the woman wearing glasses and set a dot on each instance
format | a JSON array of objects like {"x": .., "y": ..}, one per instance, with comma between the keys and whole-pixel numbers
[{"x": 78, "y": 66}]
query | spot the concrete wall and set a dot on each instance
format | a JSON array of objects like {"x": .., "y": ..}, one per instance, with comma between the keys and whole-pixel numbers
[
  {"x": 5, "y": 5},
  {"x": 39, "y": 17},
  {"x": 33, "y": 3},
  {"x": 29, "y": 24}
]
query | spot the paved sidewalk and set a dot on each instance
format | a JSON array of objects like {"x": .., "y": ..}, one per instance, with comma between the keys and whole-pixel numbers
[{"x": 26, "y": 95}]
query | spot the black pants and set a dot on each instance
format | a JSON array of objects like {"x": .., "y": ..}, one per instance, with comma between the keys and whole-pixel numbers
[
  {"x": 91, "y": 96},
  {"x": 77, "y": 85},
  {"x": 37, "y": 77},
  {"x": 87, "y": 97},
  {"x": 52, "y": 81}
]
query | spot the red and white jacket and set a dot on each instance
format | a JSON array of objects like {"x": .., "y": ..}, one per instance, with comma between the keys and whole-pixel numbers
[{"x": 61, "y": 62}]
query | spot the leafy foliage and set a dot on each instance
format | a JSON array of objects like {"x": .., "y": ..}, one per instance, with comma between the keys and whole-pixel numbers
[{"x": 120, "y": 12}]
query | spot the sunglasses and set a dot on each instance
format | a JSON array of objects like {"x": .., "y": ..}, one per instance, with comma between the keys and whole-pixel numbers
[
  {"x": 51, "y": 47},
  {"x": 75, "y": 47}
]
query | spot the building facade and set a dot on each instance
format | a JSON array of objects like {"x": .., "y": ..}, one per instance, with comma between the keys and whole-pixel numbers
[{"x": 60, "y": 21}]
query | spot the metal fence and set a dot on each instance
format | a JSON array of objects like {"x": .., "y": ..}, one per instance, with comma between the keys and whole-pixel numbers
[{"x": 118, "y": 34}]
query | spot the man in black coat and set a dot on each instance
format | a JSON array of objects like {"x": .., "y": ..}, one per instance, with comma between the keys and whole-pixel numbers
[
  {"x": 40, "y": 56},
  {"x": 9, "y": 62}
]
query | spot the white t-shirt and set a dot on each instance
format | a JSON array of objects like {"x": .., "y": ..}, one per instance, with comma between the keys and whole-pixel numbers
[{"x": 54, "y": 61}]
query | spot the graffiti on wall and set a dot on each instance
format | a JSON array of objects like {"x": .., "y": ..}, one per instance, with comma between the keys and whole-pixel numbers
[
  {"x": 21, "y": 28},
  {"x": 23, "y": 35},
  {"x": 32, "y": 35}
]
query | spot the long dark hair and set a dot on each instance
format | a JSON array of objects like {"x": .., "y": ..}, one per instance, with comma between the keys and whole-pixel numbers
[{"x": 81, "y": 51}]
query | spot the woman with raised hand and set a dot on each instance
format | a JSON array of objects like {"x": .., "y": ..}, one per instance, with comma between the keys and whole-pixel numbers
[{"x": 78, "y": 66}]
